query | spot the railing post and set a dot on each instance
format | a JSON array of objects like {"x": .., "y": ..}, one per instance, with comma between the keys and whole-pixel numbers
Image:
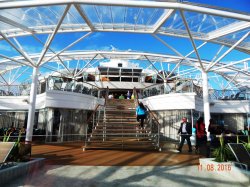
[
  {"x": 86, "y": 137},
  {"x": 104, "y": 121},
  {"x": 158, "y": 137},
  {"x": 122, "y": 131}
]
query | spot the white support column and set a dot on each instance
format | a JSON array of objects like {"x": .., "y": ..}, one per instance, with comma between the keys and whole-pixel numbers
[
  {"x": 49, "y": 124},
  {"x": 206, "y": 102},
  {"x": 166, "y": 87},
  {"x": 32, "y": 105}
]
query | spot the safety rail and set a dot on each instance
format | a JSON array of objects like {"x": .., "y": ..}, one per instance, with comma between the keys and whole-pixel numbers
[
  {"x": 95, "y": 120},
  {"x": 151, "y": 121},
  {"x": 176, "y": 86},
  {"x": 154, "y": 127}
]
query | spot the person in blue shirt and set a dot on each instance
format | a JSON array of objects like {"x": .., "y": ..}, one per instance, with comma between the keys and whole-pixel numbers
[{"x": 141, "y": 113}]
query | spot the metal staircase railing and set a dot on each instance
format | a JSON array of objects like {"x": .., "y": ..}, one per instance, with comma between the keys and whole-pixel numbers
[
  {"x": 118, "y": 127},
  {"x": 153, "y": 121},
  {"x": 96, "y": 119}
]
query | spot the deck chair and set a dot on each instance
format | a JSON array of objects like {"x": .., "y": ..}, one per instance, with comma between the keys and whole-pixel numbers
[
  {"x": 5, "y": 149},
  {"x": 241, "y": 154}
]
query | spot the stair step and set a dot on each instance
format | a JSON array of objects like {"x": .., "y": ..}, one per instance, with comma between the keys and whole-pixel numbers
[
  {"x": 120, "y": 139},
  {"x": 138, "y": 145},
  {"x": 120, "y": 123},
  {"x": 129, "y": 141},
  {"x": 115, "y": 127},
  {"x": 120, "y": 128},
  {"x": 121, "y": 119},
  {"x": 117, "y": 130},
  {"x": 128, "y": 135}
]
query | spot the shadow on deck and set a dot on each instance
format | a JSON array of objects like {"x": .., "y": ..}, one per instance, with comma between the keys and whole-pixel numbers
[{"x": 72, "y": 154}]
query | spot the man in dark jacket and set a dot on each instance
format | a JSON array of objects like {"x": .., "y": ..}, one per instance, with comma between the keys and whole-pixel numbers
[{"x": 185, "y": 131}]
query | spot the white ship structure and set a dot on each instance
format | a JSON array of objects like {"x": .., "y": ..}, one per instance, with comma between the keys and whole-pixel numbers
[{"x": 51, "y": 84}]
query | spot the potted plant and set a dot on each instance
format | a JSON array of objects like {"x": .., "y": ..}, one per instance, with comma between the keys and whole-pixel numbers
[{"x": 223, "y": 152}]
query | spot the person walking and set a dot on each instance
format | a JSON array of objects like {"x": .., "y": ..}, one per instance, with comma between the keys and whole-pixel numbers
[
  {"x": 201, "y": 135},
  {"x": 141, "y": 113},
  {"x": 185, "y": 131}
]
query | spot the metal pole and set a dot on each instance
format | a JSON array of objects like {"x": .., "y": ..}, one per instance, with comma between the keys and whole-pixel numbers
[
  {"x": 206, "y": 102},
  {"x": 32, "y": 105}
]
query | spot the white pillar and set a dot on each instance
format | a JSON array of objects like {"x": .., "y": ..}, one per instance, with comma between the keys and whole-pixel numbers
[
  {"x": 165, "y": 87},
  {"x": 32, "y": 105},
  {"x": 49, "y": 124},
  {"x": 206, "y": 102}
]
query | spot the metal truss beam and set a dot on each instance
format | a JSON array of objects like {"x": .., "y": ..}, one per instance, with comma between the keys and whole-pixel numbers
[
  {"x": 72, "y": 44},
  {"x": 86, "y": 65},
  {"x": 15, "y": 24},
  {"x": 14, "y": 60},
  {"x": 51, "y": 37},
  {"x": 230, "y": 64},
  {"x": 228, "y": 51},
  {"x": 84, "y": 16},
  {"x": 20, "y": 51},
  {"x": 61, "y": 61},
  {"x": 162, "y": 20},
  {"x": 234, "y": 27},
  {"x": 174, "y": 50},
  {"x": 155, "y": 68},
  {"x": 145, "y": 4},
  {"x": 191, "y": 39}
]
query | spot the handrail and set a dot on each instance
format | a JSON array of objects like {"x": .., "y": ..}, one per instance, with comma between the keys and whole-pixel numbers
[
  {"x": 158, "y": 126},
  {"x": 97, "y": 106},
  {"x": 150, "y": 113},
  {"x": 104, "y": 120},
  {"x": 136, "y": 101},
  {"x": 90, "y": 117},
  {"x": 106, "y": 96}
]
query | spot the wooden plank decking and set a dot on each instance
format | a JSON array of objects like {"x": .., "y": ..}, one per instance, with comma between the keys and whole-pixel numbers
[{"x": 72, "y": 154}]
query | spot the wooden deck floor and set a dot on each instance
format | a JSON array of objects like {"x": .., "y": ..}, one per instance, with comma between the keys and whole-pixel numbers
[{"x": 72, "y": 154}]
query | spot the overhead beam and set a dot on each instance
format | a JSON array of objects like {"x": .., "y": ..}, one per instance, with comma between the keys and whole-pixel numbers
[
  {"x": 17, "y": 49},
  {"x": 230, "y": 64},
  {"x": 228, "y": 51},
  {"x": 14, "y": 60},
  {"x": 15, "y": 24},
  {"x": 191, "y": 39},
  {"x": 231, "y": 28},
  {"x": 231, "y": 80},
  {"x": 174, "y": 50},
  {"x": 162, "y": 20},
  {"x": 51, "y": 37},
  {"x": 84, "y": 16},
  {"x": 70, "y": 45},
  {"x": 155, "y": 68},
  {"x": 146, "y": 4},
  {"x": 86, "y": 65},
  {"x": 52, "y": 52}
]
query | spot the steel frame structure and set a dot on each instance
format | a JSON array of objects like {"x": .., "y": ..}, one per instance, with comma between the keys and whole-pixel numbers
[{"x": 31, "y": 18}]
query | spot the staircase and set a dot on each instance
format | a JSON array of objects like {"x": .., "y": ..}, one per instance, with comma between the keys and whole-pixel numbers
[{"x": 118, "y": 129}]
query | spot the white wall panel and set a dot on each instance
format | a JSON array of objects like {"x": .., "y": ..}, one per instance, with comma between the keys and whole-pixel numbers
[
  {"x": 59, "y": 99},
  {"x": 71, "y": 100},
  {"x": 20, "y": 102},
  {"x": 224, "y": 106},
  {"x": 230, "y": 106},
  {"x": 171, "y": 101}
]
